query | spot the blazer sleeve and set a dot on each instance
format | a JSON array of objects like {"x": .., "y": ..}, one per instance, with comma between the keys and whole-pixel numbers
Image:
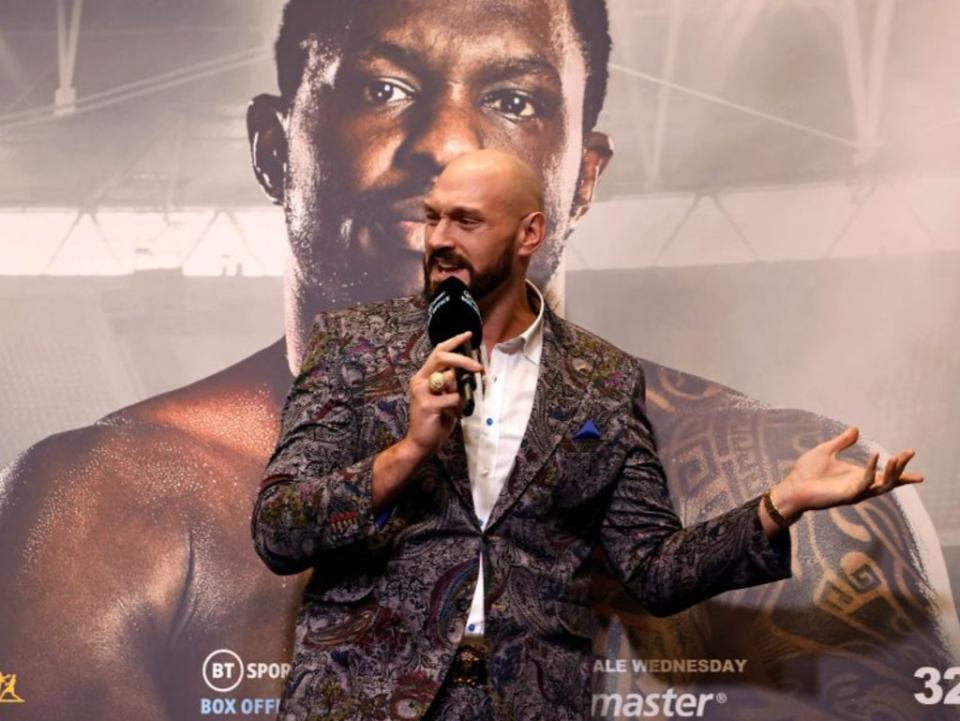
[
  {"x": 315, "y": 495},
  {"x": 668, "y": 567}
]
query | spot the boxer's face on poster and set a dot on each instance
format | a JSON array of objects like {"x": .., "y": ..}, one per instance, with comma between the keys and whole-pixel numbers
[{"x": 410, "y": 86}]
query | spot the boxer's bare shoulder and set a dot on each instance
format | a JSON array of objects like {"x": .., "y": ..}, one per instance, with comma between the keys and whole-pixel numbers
[{"x": 117, "y": 536}]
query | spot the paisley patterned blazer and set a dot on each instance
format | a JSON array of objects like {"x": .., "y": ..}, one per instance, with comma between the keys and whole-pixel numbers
[{"x": 385, "y": 607}]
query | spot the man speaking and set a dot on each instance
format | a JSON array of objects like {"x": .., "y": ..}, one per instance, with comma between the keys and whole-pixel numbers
[{"x": 450, "y": 554}]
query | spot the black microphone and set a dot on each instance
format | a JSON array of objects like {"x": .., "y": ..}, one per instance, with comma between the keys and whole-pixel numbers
[{"x": 454, "y": 311}]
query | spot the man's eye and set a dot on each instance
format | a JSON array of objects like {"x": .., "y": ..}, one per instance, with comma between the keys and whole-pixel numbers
[
  {"x": 383, "y": 92},
  {"x": 514, "y": 104}
]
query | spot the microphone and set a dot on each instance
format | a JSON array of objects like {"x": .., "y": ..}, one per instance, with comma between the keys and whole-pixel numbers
[{"x": 453, "y": 311}]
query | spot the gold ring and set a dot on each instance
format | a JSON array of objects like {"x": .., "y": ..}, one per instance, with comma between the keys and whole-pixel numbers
[{"x": 437, "y": 382}]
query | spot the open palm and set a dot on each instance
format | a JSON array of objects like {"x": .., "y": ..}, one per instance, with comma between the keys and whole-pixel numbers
[{"x": 819, "y": 479}]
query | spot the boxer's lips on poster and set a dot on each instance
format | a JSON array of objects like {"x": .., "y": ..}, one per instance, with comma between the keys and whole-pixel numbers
[
  {"x": 410, "y": 208},
  {"x": 401, "y": 224},
  {"x": 410, "y": 233},
  {"x": 391, "y": 240}
]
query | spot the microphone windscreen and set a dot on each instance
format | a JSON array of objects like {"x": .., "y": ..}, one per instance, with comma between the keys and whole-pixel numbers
[{"x": 453, "y": 311}]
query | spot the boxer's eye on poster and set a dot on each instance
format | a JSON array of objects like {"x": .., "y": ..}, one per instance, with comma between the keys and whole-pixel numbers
[
  {"x": 387, "y": 92},
  {"x": 514, "y": 104}
]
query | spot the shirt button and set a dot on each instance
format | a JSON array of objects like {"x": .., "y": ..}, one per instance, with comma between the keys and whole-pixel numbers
[
  {"x": 489, "y": 421},
  {"x": 471, "y": 627}
]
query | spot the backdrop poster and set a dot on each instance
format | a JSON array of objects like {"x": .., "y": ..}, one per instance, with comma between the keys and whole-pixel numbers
[{"x": 759, "y": 198}]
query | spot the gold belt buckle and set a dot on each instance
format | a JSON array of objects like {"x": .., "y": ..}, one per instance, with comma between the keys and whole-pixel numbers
[{"x": 470, "y": 664}]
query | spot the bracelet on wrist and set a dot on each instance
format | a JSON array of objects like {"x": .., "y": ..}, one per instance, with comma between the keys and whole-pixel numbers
[{"x": 774, "y": 512}]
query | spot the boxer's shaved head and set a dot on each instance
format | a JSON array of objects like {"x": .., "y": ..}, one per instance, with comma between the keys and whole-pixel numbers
[{"x": 510, "y": 177}]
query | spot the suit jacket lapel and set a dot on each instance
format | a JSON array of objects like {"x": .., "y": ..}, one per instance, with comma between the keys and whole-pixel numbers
[{"x": 566, "y": 364}]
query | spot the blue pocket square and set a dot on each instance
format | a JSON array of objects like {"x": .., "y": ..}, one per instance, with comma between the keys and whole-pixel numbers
[
  {"x": 382, "y": 518},
  {"x": 588, "y": 431}
]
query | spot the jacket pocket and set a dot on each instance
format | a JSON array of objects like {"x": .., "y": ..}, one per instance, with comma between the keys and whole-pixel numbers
[{"x": 584, "y": 469}]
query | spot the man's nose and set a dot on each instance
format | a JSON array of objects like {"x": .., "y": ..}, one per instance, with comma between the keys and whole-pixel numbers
[
  {"x": 438, "y": 236},
  {"x": 448, "y": 127}
]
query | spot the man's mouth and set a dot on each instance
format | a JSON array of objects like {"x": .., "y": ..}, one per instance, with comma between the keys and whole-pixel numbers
[{"x": 443, "y": 269}]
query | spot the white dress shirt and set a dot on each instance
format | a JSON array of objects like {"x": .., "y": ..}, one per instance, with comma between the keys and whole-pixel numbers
[{"x": 492, "y": 434}]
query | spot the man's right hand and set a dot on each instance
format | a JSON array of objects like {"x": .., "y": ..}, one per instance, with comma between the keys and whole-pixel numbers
[
  {"x": 432, "y": 419},
  {"x": 433, "y": 415}
]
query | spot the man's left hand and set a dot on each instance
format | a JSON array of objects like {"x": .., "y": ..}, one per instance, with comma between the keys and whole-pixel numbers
[{"x": 820, "y": 480}]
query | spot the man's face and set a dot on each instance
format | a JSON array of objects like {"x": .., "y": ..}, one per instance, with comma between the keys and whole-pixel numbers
[
  {"x": 473, "y": 225},
  {"x": 414, "y": 84}
]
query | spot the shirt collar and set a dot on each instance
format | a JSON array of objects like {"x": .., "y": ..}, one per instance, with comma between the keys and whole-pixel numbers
[{"x": 532, "y": 338}]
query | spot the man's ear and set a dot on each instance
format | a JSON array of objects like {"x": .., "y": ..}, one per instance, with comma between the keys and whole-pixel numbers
[
  {"x": 597, "y": 151},
  {"x": 532, "y": 231},
  {"x": 268, "y": 144}
]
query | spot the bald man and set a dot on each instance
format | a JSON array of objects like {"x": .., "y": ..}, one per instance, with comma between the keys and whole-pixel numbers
[{"x": 450, "y": 553}]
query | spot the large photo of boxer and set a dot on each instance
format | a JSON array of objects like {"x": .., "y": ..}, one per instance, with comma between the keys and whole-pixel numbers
[{"x": 733, "y": 186}]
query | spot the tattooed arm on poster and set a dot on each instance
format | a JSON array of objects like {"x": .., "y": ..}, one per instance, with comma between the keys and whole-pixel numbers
[{"x": 869, "y": 602}]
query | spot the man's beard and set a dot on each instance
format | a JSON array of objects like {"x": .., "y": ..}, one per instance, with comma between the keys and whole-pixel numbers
[{"x": 481, "y": 286}]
